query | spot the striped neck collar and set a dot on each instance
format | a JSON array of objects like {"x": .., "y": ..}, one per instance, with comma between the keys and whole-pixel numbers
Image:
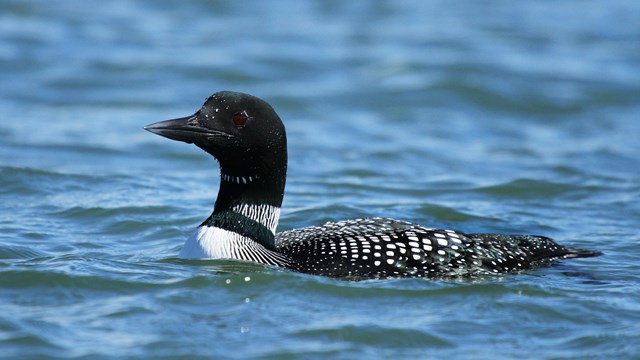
[{"x": 257, "y": 222}]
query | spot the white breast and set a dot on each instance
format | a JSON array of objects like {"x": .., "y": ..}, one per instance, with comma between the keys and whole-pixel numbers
[{"x": 210, "y": 242}]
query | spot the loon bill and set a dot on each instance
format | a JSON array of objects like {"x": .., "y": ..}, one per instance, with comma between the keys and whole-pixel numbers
[{"x": 248, "y": 139}]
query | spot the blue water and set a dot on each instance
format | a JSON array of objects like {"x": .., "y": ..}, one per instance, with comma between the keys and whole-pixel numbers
[{"x": 492, "y": 116}]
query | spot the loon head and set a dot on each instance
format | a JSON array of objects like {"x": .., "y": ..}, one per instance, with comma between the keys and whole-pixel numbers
[
  {"x": 242, "y": 131},
  {"x": 247, "y": 138}
]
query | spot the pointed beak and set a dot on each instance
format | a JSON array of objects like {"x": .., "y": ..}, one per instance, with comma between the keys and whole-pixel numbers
[{"x": 186, "y": 129}]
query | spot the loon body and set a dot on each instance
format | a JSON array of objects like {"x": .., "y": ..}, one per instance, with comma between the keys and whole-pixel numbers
[{"x": 248, "y": 139}]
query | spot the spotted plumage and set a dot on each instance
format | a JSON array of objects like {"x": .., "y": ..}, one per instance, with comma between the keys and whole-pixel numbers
[
  {"x": 247, "y": 137},
  {"x": 381, "y": 247}
]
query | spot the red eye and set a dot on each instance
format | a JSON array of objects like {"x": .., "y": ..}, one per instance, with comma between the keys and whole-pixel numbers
[{"x": 239, "y": 119}]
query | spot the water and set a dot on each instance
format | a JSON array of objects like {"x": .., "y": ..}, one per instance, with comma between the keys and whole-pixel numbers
[{"x": 491, "y": 116}]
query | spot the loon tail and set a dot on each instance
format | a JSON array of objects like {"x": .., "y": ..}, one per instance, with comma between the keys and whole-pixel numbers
[
  {"x": 580, "y": 253},
  {"x": 537, "y": 248}
]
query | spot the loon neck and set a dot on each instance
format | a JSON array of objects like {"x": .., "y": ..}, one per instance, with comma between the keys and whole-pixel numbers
[{"x": 249, "y": 205}]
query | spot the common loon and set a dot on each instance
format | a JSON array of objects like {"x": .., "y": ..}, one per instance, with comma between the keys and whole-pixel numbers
[{"x": 248, "y": 139}]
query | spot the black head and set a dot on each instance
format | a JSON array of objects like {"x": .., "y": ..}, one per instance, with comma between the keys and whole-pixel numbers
[
  {"x": 242, "y": 131},
  {"x": 247, "y": 137}
]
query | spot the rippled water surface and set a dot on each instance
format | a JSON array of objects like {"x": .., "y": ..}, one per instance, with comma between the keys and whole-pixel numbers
[{"x": 493, "y": 116}]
